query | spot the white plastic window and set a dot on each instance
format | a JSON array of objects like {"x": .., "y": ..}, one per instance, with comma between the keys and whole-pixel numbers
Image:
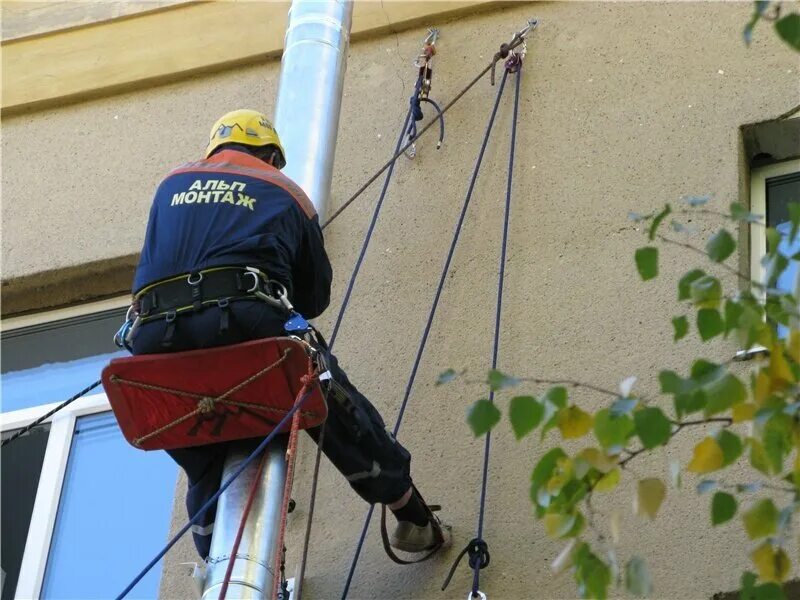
[{"x": 101, "y": 508}]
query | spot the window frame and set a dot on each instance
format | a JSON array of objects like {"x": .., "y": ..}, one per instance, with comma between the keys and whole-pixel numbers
[
  {"x": 51, "y": 483},
  {"x": 758, "y": 206},
  {"x": 59, "y": 444}
]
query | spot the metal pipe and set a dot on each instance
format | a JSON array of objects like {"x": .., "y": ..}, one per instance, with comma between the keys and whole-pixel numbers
[
  {"x": 252, "y": 575},
  {"x": 307, "y": 120},
  {"x": 310, "y": 93}
]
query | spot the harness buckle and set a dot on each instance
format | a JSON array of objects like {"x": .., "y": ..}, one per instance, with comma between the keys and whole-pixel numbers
[{"x": 256, "y": 280}]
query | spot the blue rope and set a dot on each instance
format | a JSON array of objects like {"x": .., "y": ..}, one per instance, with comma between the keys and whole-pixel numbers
[
  {"x": 368, "y": 236},
  {"x": 498, "y": 311},
  {"x": 215, "y": 497},
  {"x": 431, "y": 314}
]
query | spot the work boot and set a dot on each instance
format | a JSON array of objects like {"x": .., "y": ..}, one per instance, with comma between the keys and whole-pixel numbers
[{"x": 410, "y": 537}]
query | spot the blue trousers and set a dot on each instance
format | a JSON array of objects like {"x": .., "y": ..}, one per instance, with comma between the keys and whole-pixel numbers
[{"x": 356, "y": 440}]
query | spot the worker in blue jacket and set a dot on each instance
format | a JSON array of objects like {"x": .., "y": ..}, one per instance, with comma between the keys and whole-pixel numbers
[{"x": 217, "y": 221}]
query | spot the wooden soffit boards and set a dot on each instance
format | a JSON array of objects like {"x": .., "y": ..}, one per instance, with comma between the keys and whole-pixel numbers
[{"x": 58, "y": 67}]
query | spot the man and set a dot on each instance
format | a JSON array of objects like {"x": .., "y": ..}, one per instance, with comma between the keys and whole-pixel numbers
[{"x": 212, "y": 219}]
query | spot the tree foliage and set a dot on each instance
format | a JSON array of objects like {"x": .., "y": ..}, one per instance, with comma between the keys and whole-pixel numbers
[{"x": 750, "y": 418}]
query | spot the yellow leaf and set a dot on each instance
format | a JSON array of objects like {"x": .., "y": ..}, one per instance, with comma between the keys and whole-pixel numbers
[
  {"x": 771, "y": 563},
  {"x": 649, "y": 496},
  {"x": 794, "y": 345},
  {"x": 743, "y": 411},
  {"x": 574, "y": 423},
  {"x": 779, "y": 371},
  {"x": 761, "y": 387},
  {"x": 707, "y": 457},
  {"x": 558, "y": 525},
  {"x": 598, "y": 459},
  {"x": 556, "y": 482},
  {"x": 608, "y": 481}
]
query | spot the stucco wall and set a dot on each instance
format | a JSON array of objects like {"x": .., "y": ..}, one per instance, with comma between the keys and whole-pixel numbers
[{"x": 624, "y": 106}]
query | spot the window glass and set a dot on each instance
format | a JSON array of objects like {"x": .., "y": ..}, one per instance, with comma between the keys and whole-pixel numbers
[
  {"x": 781, "y": 191},
  {"x": 113, "y": 515},
  {"x": 53, "y": 382},
  {"x": 21, "y": 463},
  {"x": 52, "y": 361}
]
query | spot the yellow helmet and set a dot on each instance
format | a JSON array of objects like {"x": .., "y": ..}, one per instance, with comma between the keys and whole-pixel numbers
[{"x": 248, "y": 127}]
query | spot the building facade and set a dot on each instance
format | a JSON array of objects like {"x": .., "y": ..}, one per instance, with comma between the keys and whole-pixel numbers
[{"x": 623, "y": 107}]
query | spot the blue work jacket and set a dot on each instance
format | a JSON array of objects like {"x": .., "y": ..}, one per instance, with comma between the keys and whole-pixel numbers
[{"x": 234, "y": 209}]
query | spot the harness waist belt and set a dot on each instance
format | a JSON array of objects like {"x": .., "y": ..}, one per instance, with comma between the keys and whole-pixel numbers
[{"x": 196, "y": 290}]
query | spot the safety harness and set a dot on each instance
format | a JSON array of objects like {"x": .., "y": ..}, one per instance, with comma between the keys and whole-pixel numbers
[{"x": 192, "y": 292}]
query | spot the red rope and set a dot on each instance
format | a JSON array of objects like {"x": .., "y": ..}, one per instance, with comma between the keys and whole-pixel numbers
[
  {"x": 291, "y": 454},
  {"x": 307, "y": 381},
  {"x": 234, "y": 551}
]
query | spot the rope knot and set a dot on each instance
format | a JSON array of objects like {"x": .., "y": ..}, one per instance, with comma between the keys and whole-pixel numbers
[
  {"x": 478, "y": 551},
  {"x": 206, "y": 405}
]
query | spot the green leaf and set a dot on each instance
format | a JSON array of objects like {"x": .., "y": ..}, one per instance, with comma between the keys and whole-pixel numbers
[
  {"x": 525, "y": 414},
  {"x": 788, "y": 29},
  {"x": 723, "y": 507},
  {"x": 637, "y": 577},
  {"x": 657, "y": 221},
  {"x": 652, "y": 427},
  {"x": 765, "y": 591},
  {"x": 794, "y": 218},
  {"x": 769, "y": 591},
  {"x": 731, "y": 445},
  {"x": 544, "y": 470},
  {"x": 722, "y": 391},
  {"x": 554, "y": 401},
  {"x": 685, "y": 283},
  {"x": 733, "y": 311},
  {"x": 709, "y": 323},
  {"x": 482, "y": 416},
  {"x": 681, "y": 327},
  {"x": 498, "y": 380},
  {"x": 720, "y": 246},
  {"x": 612, "y": 432},
  {"x": 773, "y": 239},
  {"x": 761, "y": 520},
  {"x": 591, "y": 574},
  {"x": 758, "y": 457},
  {"x": 671, "y": 382},
  {"x": 647, "y": 262},
  {"x": 706, "y": 292},
  {"x": 778, "y": 440},
  {"x": 775, "y": 264},
  {"x": 446, "y": 376},
  {"x": 740, "y": 213}
]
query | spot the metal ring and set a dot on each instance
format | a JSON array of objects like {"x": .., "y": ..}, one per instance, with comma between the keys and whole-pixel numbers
[
  {"x": 199, "y": 278},
  {"x": 255, "y": 281},
  {"x": 278, "y": 287},
  {"x": 479, "y": 596}
]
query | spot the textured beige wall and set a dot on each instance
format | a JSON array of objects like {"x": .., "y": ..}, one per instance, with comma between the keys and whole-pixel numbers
[{"x": 624, "y": 106}]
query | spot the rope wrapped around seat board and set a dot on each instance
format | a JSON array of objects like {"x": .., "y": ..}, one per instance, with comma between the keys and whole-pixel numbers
[{"x": 182, "y": 399}]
